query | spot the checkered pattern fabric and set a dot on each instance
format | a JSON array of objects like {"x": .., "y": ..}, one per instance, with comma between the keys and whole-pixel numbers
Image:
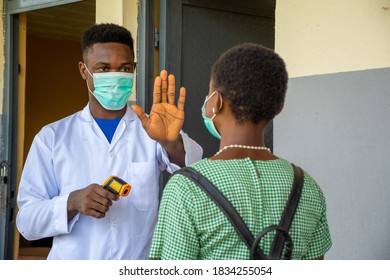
[{"x": 191, "y": 226}]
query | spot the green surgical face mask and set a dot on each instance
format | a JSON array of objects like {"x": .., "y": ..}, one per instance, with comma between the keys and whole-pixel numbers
[
  {"x": 112, "y": 89},
  {"x": 209, "y": 121}
]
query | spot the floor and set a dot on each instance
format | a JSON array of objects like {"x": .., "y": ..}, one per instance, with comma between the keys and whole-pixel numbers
[{"x": 33, "y": 253}]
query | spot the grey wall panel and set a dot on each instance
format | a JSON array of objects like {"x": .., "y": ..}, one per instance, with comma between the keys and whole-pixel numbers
[{"x": 337, "y": 127}]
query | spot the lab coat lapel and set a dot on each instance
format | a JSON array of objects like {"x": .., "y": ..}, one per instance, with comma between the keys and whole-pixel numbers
[
  {"x": 125, "y": 121},
  {"x": 90, "y": 130}
]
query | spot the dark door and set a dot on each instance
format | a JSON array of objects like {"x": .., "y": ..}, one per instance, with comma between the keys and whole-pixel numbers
[{"x": 194, "y": 34}]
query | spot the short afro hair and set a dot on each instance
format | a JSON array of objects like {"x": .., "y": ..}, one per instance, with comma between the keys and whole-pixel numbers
[
  {"x": 254, "y": 80},
  {"x": 106, "y": 33}
]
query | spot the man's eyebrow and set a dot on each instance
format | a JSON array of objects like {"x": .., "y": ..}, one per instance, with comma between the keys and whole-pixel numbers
[
  {"x": 102, "y": 63},
  {"x": 106, "y": 63}
]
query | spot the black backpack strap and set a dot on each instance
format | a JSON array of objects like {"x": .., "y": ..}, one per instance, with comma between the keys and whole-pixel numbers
[
  {"x": 288, "y": 214},
  {"x": 225, "y": 205},
  {"x": 281, "y": 238}
]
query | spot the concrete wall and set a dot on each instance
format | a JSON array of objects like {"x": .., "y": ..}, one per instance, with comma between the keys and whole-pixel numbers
[{"x": 335, "y": 122}]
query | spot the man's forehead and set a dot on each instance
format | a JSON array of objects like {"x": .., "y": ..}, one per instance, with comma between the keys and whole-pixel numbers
[
  {"x": 109, "y": 47},
  {"x": 107, "y": 51}
]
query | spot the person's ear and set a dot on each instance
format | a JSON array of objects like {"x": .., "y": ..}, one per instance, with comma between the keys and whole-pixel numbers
[
  {"x": 83, "y": 70},
  {"x": 217, "y": 104},
  {"x": 281, "y": 106}
]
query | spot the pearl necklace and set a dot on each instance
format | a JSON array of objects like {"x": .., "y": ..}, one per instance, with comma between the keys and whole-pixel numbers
[{"x": 243, "y": 147}]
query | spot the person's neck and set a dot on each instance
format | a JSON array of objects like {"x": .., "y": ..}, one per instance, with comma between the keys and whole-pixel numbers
[
  {"x": 245, "y": 134},
  {"x": 241, "y": 141}
]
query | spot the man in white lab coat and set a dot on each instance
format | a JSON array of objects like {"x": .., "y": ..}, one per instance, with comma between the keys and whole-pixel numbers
[{"x": 60, "y": 193}]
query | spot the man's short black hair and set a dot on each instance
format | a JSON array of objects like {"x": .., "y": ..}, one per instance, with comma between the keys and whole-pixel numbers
[
  {"x": 106, "y": 33},
  {"x": 254, "y": 79}
]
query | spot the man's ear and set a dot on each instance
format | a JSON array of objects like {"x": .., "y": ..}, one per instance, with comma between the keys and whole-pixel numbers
[{"x": 82, "y": 70}]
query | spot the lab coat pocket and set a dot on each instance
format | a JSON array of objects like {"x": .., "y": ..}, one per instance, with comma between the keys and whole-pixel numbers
[{"x": 143, "y": 180}]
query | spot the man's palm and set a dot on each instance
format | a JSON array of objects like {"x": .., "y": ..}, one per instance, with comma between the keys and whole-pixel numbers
[{"x": 165, "y": 119}]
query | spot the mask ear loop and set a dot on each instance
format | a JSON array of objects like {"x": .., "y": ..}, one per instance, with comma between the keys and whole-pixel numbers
[
  {"x": 220, "y": 100},
  {"x": 211, "y": 95},
  {"x": 220, "y": 106},
  {"x": 89, "y": 89},
  {"x": 88, "y": 69}
]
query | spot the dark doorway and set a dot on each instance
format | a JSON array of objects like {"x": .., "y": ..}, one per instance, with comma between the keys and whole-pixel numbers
[{"x": 194, "y": 34}]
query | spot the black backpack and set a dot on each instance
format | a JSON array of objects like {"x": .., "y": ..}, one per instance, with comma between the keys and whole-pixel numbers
[{"x": 282, "y": 238}]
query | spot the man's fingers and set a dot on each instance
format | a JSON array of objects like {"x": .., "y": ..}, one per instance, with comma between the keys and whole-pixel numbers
[
  {"x": 171, "y": 89},
  {"x": 164, "y": 89},
  {"x": 157, "y": 90},
  {"x": 142, "y": 116},
  {"x": 164, "y": 85},
  {"x": 182, "y": 99}
]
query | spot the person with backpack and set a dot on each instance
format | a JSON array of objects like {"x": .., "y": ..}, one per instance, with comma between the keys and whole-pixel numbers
[{"x": 247, "y": 90}]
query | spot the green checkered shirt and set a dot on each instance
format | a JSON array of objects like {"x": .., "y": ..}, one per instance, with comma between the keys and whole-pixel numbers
[{"x": 191, "y": 226}]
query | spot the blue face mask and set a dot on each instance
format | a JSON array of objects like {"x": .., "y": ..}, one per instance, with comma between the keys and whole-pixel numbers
[
  {"x": 112, "y": 89},
  {"x": 209, "y": 121}
]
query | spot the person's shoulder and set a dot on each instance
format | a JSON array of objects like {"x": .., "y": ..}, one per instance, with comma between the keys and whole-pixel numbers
[
  {"x": 206, "y": 167},
  {"x": 57, "y": 126},
  {"x": 196, "y": 166},
  {"x": 180, "y": 182},
  {"x": 308, "y": 179}
]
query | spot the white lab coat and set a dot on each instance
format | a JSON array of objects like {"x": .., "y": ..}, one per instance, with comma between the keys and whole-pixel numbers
[{"x": 73, "y": 153}]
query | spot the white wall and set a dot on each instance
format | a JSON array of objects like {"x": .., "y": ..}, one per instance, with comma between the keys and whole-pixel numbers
[{"x": 328, "y": 36}]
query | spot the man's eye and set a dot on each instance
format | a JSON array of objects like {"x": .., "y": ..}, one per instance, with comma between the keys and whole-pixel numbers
[
  {"x": 126, "y": 69},
  {"x": 103, "y": 69}
]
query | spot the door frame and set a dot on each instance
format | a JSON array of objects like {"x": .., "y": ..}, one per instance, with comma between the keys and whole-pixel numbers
[
  {"x": 146, "y": 47},
  {"x": 11, "y": 113},
  {"x": 9, "y": 130}
]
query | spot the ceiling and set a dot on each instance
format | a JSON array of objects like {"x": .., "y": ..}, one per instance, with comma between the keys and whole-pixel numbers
[{"x": 65, "y": 22}]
